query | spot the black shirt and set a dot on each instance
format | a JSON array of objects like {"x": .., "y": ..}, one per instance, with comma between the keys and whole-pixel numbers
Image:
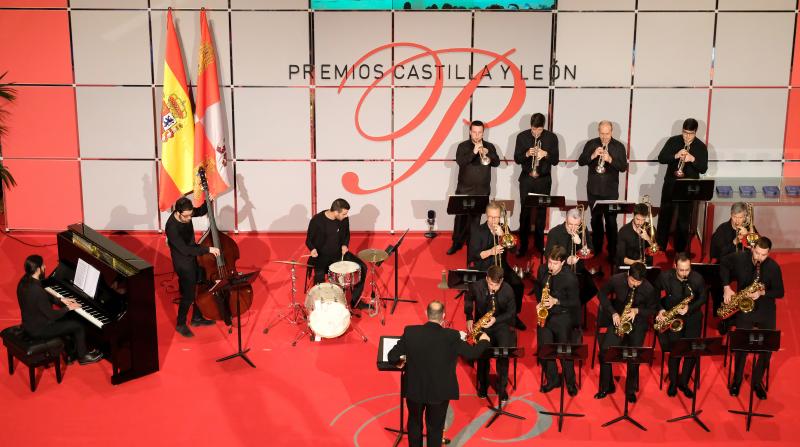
[
  {"x": 478, "y": 302},
  {"x": 558, "y": 235},
  {"x": 690, "y": 170},
  {"x": 644, "y": 299},
  {"x": 525, "y": 141},
  {"x": 36, "y": 305},
  {"x": 676, "y": 290},
  {"x": 481, "y": 239},
  {"x": 180, "y": 238},
  {"x": 604, "y": 185},
  {"x": 563, "y": 287},
  {"x": 739, "y": 267},
  {"x": 722, "y": 241},
  {"x": 630, "y": 245},
  {"x": 473, "y": 177},
  {"x": 327, "y": 235}
]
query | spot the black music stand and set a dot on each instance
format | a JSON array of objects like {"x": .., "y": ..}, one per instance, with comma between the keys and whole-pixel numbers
[
  {"x": 694, "y": 191},
  {"x": 460, "y": 279},
  {"x": 385, "y": 365},
  {"x": 563, "y": 351},
  {"x": 226, "y": 284},
  {"x": 630, "y": 355},
  {"x": 697, "y": 348},
  {"x": 710, "y": 274},
  {"x": 395, "y": 249},
  {"x": 533, "y": 200},
  {"x": 496, "y": 352},
  {"x": 614, "y": 206},
  {"x": 470, "y": 205},
  {"x": 754, "y": 341}
]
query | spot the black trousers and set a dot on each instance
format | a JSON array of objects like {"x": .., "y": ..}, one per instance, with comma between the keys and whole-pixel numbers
[
  {"x": 540, "y": 185},
  {"x": 635, "y": 338},
  {"x": 187, "y": 284},
  {"x": 558, "y": 329},
  {"x": 745, "y": 321},
  {"x": 692, "y": 328},
  {"x": 321, "y": 264},
  {"x": 667, "y": 210},
  {"x": 603, "y": 224},
  {"x": 502, "y": 336},
  {"x": 435, "y": 414},
  {"x": 516, "y": 284},
  {"x": 463, "y": 225},
  {"x": 65, "y": 328}
]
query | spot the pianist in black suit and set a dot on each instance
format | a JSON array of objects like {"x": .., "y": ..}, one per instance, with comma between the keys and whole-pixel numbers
[
  {"x": 41, "y": 320},
  {"x": 184, "y": 252}
]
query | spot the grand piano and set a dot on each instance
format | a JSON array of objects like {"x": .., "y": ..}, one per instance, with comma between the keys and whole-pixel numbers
[{"x": 120, "y": 317}]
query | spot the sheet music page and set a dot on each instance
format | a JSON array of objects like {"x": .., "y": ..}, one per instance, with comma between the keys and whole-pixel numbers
[
  {"x": 388, "y": 344},
  {"x": 80, "y": 273},
  {"x": 86, "y": 277}
]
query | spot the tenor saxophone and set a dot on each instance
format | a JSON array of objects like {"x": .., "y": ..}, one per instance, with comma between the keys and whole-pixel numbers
[
  {"x": 541, "y": 310},
  {"x": 626, "y": 323},
  {"x": 741, "y": 301},
  {"x": 671, "y": 320},
  {"x": 477, "y": 328}
]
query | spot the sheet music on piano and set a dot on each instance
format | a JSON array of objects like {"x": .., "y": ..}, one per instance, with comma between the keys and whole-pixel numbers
[{"x": 86, "y": 277}]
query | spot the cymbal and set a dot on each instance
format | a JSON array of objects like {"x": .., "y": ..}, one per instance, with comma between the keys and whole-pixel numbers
[
  {"x": 372, "y": 255},
  {"x": 292, "y": 263}
]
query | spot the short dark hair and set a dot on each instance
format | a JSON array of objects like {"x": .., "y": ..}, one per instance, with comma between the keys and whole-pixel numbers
[
  {"x": 435, "y": 311},
  {"x": 495, "y": 273},
  {"x": 340, "y": 204},
  {"x": 764, "y": 243},
  {"x": 183, "y": 204},
  {"x": 476, "y": 123},
  {"x": 681, "y": 257},
  {"x": 640, "y": 209},
  {"x": 638, "y": 271},
  {"x": 538, "y": 120},
  {"x": 690, "y": 124},
  {"x": 557, "y": 253}
]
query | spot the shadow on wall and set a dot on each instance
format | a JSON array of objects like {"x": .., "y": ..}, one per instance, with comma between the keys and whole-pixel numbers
[
  {"x": 296, "y": 220},
  {"x": 122, "y": 219}
]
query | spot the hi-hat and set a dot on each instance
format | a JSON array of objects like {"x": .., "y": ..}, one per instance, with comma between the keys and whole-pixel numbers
[
  {"x": 373, "y": 255},
  {"x": 292, "y": 263}
]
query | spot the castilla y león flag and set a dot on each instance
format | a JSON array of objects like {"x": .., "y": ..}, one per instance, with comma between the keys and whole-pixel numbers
[
  {"x": 176, "y": 176},
  {"x": 209, "y": 136}
]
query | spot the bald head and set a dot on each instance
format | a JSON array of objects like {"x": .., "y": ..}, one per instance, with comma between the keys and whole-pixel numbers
[
  {"x": 435, "y": 311},
  {"x": 604, "y": 130}
]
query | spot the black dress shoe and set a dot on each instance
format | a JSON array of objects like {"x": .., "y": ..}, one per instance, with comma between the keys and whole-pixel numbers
[
  {"x": 454, "y": 248},
  {"x": 93, "y": 356},
  {"x": 672, "y": 391},
  {"x": 734, "y": 389},
  {"x": 550, "y": 386},
  {"x": 202, "y": 322},
  {"x": 572, "y": 389},
  {"x": 601, "y": 394},
  {"x": 184, "y": 330},
  {"x": 631, "y": 397},
  {"x": 482, "y": 394},
  {"x": 520, "y": 325},
  {"x": 761, "y": 393},
  {"x": 686, "y": 391}
]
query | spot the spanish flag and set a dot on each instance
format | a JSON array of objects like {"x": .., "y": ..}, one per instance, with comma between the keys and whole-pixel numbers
[
  {"x": 209, "y": 132},
  {"x": 176, "y": 175}
]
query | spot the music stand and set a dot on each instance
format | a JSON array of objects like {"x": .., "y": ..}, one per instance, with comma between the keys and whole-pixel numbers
[
  {"x": 387, "y": 342},
  {"x": 395, "y": 249},
  {"x": 614, "y": 206},
  {"x": 696, "y": 348},
  {"x": 470, "y": 205},
  {"x": 630, "y": 355},
  {"x": 238, "y": 279},
  {"x": 754, "y": 341},
  {"x": 495, "y": 352},
  {"x": 694, "y": 191},
  {"x": 710, "y": 274},
  {"x": 460, "y": 279},
  {"x": 563, "y": 351}
]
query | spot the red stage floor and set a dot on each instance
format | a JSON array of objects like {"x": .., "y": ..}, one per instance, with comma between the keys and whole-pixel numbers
[{"x": 330, "y": 393}]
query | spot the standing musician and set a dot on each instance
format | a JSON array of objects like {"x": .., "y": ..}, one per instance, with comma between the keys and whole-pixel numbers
[
  {"x": 538, "y": 148},
  {"x": 475, "y": 158},
  {"x": 625, "y": 287},
  {"x": 727, "y": 239},
  {"x": 562, "y": 304},
  {"x": 568, "y": 234},
  {"x": 429, "y": 353},
  {"x": 606, "y": 159},
  {"x": 485, "y": 250},
  {"x": 745, "y": 267},
  {"x": 686, "y": 156},
  {"x": 680, "y": 284},
  {"x": 328, "y": 238},
  {"x": 184, "y": 252},
  {"x": 634, "y": 239},
  {"x": 478, "y": 302}
]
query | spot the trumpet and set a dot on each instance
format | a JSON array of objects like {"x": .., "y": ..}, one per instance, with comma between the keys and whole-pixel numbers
[
  {"x": 671, "y": 320},
  {"x": 741, "y": 301},
  {"x": 483, "y": 153},
  {"x": 626, "y": 319},
  {"x": 752, "y": 236},
  {"x": 542, "y": 312},
  {"x": 648, "y": 226},
  {"x": 601, "y": 165},
  {"x": 535, "y": 163},
  {"x": 682, "y": 163}
]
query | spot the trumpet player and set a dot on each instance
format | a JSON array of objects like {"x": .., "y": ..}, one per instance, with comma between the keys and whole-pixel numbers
[
  {"x": 572, "y": 236},
  {"x": 747, "y": 268},
  {"x": 562, "y": 306},
  {"x": 486, "y": 249},
  {"x": 475, "y": 158},
  {"x": 477, "y": 303},
  {"x": 686, "y": 156},
  {"x": 628, "y": 297},
  {"x": 606, "y": 159},
  {"x": 681, "y": 316},
  {"x": 536, "y": 151},
  {"x": 634, "y": 238}
]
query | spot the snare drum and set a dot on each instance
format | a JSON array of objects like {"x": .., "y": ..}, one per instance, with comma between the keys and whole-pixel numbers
[
  {"x": 328, "y": 316},
  {"x": 344, "y": 273}
]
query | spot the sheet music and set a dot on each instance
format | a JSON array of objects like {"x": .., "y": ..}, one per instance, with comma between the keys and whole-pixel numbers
[
  {"x": 86, "y": 277},
  {"x": 388, "y": 344}
]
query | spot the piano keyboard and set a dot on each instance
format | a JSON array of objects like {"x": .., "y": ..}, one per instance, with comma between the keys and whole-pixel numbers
[{"x": 86, "y": 311}]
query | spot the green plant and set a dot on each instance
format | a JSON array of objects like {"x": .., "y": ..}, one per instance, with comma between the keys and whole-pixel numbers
[{"x": 7, "y": 95}]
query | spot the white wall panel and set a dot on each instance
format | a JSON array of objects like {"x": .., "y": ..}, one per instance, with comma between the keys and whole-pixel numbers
[
  {"x": 133, "y": 205},
  {"x": 111, "y": 47},
  {"x": 372, "y": 212},
  {"x": 490, "y": 102},
  {"x": 115, "y": 122},
  {"x": 646, "y": 178},
  {"x": 273, "y": 196},
  {"x": 224, "y": 213},
  {"x": 747, "y": 124},
  {"x": 595, "y": 5},
  {"x": 337, "y": 136},
  {"x": 576, "y": 113},
  {"x": 408, "y": 102},
  {"x": 724, "y": 169},
  {"x": 188, "y": 4},
  {"x": 428, "y": 189},
  {"x": 759, "y": 5},
  {"x": 265, "y": 44},
  {"x": 226, "y": 101},
  {"x": 269, "y": 4},
  {"x": 659, "y": 113},
  {"x": 273, "y": 123},
  {"x": 677, "y": 5}
]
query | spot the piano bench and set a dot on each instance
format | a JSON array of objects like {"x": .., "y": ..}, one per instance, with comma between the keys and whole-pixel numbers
[{"x": 33, "y": 352}]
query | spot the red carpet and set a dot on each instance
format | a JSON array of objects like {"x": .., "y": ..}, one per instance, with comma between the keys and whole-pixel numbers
[{"x": 330, "y": 393}]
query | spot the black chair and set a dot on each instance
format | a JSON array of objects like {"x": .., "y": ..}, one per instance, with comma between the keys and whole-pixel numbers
[{"x": 33, "y": 352}]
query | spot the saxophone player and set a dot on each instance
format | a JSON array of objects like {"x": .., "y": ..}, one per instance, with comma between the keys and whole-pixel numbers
[
  {"x": 477, "y": 303},
  {"x": 744, "y": 268},
  {"x": 634, "y": 239},
  {"x": 679, "y": 284},
  {"x": 727, "y": 239},
  {"x": 570, "y": 236},
  {"x": 634, "y": 301},
  {"x": 563, "y": 305}
]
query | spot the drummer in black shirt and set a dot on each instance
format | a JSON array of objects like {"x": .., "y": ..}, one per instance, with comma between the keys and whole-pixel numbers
[
  {"x": 634, "y": 240},
  {"x": 328, "y": 238}
]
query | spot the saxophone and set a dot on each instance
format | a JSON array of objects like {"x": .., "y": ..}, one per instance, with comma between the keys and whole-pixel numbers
[
  {"x": 671, "y": 320},
  {"x": 541, "y": 310},
  {"x": 626, "y": 323},
  {"x": 741, "y": 300},
  {"x": 477, "y": 328}
]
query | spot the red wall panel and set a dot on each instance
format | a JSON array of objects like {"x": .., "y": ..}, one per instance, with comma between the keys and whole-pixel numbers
[
  {"x": 791, "y": 145},
  {"x": 791, "y": 170},
  {"x": 36, "y": 46},
  {"x": 33, "y": 3},
  {"x": 42, "y": 124},
  {"x": 47, "y": 195}
]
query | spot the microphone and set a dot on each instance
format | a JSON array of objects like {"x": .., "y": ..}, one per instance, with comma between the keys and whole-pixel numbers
[{"x": 431, "y": 220}]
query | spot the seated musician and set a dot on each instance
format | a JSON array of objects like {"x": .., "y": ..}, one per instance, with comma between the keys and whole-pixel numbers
[
  {"x": 478, "y": 302},
  {"x": 634, "y": 301},
  {"x": 633, "y": 239},
  {"x": 568, "y": 234},
  {"x": 184, "y": 252},
  {"x": 41, "y": 320},
  {"x": 562, "y": 304},
  {"x": 678, "y": 284},
  {"x": 328, "y": 238},
  {"x": 485, "y": 250},
  {"x": 727, "y": 239}
]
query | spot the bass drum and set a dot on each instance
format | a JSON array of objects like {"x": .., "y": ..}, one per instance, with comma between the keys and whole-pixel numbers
[{"x": 328, "y": 315}]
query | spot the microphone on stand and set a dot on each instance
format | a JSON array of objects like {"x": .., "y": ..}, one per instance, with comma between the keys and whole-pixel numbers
[{"x": 430, "y": 234}]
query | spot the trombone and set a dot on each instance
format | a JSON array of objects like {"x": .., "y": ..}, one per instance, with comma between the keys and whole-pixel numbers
[
  {"x": 752, "y": 236},
  {"x": 648, "y": 226},
  {"x": 506, "y": 240}
]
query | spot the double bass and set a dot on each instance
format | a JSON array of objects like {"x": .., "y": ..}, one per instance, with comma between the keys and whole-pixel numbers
[{"x": 218, "y": 304}]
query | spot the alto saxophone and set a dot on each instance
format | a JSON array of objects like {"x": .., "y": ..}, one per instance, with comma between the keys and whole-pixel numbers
[
  {"x": 477, "y": 328},
  {"x": 671, "y": 320},
  {"x": 541, "y": 310},
  {"x": 626, "y": 323},
  {"x": 741, "y": 301}
]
